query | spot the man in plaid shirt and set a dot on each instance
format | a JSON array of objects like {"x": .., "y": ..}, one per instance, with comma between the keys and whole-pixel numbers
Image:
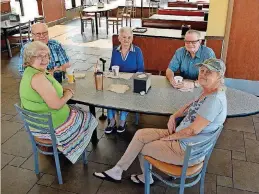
[{"x": 59, "y": 60}]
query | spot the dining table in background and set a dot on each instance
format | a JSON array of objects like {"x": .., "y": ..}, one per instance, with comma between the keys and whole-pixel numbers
[
  {"x": 177, "y": 17},
  {"x": 186, "y": 8},
  {"x": 94, "y": 9},
  {"x": 7, "y": 26}
]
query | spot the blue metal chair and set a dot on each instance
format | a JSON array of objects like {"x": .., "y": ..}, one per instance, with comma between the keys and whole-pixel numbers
[
  {"x": 136, "y": 118},
  {"x": 249, "y": 86},
  {"x": 192, "y": 153},
  {"x": 42, "y": 123}
]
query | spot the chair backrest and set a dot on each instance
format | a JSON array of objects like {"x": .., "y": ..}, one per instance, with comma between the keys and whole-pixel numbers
[
  {"x": 200, "y": 150},
  {"x": 129, "y": 10},
  {"x": 5, "y": 16},
  {"x": 24, "y": 28},
  {"x": 81, "y": 14},
  {"x": 40, "y": 19},
  {"x": 120, "y": 12},
  {"x": 37, "y": 123},
  {"x": 248, "y": 86},
  {"x": 129, "y": 3}
]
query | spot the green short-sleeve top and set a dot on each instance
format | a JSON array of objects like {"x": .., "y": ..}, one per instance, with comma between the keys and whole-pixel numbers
[{"x": 32, "y": 101}]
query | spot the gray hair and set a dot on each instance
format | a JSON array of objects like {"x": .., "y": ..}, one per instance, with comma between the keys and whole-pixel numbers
[
  {"x": 38, "y": 24},
  {"x": 194, "y": 32},
  {"x": 31, "y": 50},
  {"x": 125, "y": 29}
]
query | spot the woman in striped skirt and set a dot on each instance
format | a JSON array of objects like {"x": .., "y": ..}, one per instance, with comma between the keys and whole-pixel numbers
[{"x": 41, "y": 93}]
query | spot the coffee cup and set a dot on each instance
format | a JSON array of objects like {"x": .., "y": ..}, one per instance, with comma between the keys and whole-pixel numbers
[
  {"x": 178, "y": 79},
  {"x": 98, "y": 80},
  {"x": 115, "y": 70}
]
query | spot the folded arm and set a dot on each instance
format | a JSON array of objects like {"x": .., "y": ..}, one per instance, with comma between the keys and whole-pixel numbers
[
  {"x": 195, "y": 128},
  {"x": 43, "y": 86}
]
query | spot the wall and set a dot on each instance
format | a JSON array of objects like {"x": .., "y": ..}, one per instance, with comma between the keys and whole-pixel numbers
[
  {"x": 242, "y": 51},
  {"x": 5, "y": 6},
  {"x": 217, "y": 17},
  {"x": 52, "y": 9}
]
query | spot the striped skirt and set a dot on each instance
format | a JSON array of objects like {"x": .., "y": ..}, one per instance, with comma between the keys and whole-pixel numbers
[{"x": 74, "y": 135}]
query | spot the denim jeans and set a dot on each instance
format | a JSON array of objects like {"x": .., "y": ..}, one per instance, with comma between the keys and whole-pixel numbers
[{"x": 111, "y": 114}]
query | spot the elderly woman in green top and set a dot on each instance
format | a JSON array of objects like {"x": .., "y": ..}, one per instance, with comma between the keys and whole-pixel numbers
[{"x": 41, "y": 93}]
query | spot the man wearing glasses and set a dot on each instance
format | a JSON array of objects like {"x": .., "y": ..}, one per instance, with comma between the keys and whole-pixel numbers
[
  {"x": 186, "y": 57},
  {"x": 58, "y": 58}
]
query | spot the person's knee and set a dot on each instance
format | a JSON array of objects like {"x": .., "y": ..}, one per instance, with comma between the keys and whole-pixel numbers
[{"x": 140, "y": 134}]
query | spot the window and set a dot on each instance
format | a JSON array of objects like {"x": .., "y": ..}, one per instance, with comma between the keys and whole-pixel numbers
[{"x": 69, "y": 4}]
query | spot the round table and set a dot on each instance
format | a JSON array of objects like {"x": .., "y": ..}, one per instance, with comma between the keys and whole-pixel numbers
[
  {"x": 161, "y": 99},
  {"x": 95, "y": 10}
]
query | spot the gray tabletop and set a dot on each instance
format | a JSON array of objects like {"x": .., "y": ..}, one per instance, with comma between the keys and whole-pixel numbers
[
  {"x": 7, "y": 24},
  {"x": 177, "y": 17},
  {"x": 170, "y": 33},
  {"x": 94, "y": 9},
  {"x": 186, "y": 8},
  {"x": 161, "y": 99}
]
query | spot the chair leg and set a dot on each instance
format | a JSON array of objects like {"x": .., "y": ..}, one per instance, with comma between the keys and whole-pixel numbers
[
  {"x": 202, "y": 182},
  {"x": 130, "y": 21},
  {"x": 117, "y": 26},
  {"x": 182, "y": 184},
  {"x": 126, "y": 21},
  {"x": 36, "y": 159},
  {"x": 84, "y": 156},
  {"x": 60, "y": 181},
  {"x": 113, "y": 27},
  {"x": 82, "y": 27},
  {"x": 147, "y": 176},
  {"x": 137, "y": 119},
  {"x": 99, "y": 20},
  {"x": 21, "y": 41},
  {"x": 92, "y": 26}
]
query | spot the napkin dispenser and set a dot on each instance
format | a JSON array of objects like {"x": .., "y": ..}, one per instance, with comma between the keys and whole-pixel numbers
[
  {"x": 14, "y": 17},
  {"x": 141, "y": 82},
  {"x": 100, "y": 5}
]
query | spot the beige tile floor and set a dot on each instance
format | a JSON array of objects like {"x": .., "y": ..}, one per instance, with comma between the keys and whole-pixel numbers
[{"x": 233, "y": 167}]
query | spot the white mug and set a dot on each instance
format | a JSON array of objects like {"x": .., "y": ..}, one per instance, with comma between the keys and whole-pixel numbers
[
  {"x": 178, "y": 79},
  {"x": 115, "y": 70}
]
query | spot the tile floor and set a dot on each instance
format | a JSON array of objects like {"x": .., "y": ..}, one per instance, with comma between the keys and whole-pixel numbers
[{"x": 233, "y": 167}]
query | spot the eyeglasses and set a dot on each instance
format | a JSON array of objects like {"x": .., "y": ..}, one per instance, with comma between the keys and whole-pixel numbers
[
  {"x": 191, "y": 42},
  {"x": 40, "y": 34},
  {"x": 42, "y": 57},
  {"x": 126, "y": 37}
]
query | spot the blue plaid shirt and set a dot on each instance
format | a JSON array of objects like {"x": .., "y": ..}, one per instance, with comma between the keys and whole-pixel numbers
[{"x": 58, "y": 56}]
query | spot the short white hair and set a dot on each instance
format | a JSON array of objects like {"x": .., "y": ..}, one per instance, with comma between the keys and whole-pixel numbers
[
  {"x": 125, "y": 29},
  {"x": 31, "y": 49},
  {"x": 39, "y": 24},
  {"x": 194, "y": 32}
]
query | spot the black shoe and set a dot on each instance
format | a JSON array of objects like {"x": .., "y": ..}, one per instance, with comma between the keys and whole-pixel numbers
[
  {"x": 121, "y": 129},
  {"x": 109, "y": 129}
]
